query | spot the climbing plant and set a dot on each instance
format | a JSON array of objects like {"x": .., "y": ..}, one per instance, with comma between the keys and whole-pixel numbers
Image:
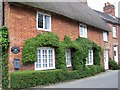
[
  {"x": 49, "y": 39},
  {"x": 79, "y": 57},
  {"x": 4, "y": 42},
  {"x": 79, "y": 48}
]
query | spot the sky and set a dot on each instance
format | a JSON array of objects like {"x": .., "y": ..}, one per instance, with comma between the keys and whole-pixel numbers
[{"x": 99, "y": 4}]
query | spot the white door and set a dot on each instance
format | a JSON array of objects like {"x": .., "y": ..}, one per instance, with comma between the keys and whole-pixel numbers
[
  {"x": 106, "y": 60},
  {"x": 116, "y": 53}
]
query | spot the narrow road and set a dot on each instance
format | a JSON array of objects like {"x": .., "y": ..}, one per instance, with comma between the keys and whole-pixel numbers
[{"x": 108, "y": 79}]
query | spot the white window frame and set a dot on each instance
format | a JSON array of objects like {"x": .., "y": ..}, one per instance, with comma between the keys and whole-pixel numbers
[
  {"x": 84, "y": 35},
  {"x": 43, "y": 21},
  {"x": 90, "y": 58},
  {"x": 114, "y": 29},
  {"x": 105, "y": 36},
  {"x": 53, "y": 57},
  {"x": 68, "y": 57}
]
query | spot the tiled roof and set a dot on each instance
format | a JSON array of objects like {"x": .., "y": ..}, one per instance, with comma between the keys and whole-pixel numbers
[{"x": 109, "y": 18}]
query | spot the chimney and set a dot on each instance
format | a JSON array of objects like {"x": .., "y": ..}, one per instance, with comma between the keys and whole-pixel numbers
[
  {"x": 109, "y": 9},
  {"x": 83, "y": 1}
]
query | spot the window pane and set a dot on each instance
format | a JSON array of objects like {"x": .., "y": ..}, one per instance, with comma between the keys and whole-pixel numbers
[
  {"x": 45, "y": 59},
  {"x": 38, "y": 63},
  {"x": 83, "y": 31},
  {"x": 50, "y": 58},
  {"x": 40, "y": 21},
  {"x": 114, "y": 32},
  {"x": 89, "y": 60},
  {"x": 105, "y": 36},
  {"x": 47, "y": 22},
  {"x": 68, "y": 57}
]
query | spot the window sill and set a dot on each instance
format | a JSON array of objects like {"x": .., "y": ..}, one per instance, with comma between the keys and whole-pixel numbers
[
  {"x": 69, "y": 66},
  {"x": 114, "y": 37},
  {"x": 41, "y": 29},
  {"x": 89, "y": 64},
  {"x": 44, "y": 68},
  {"x": 105, "y": 41},
  {"x": 83, "y": 37}
]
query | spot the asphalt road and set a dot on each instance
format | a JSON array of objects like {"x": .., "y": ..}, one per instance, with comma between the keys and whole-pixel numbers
[{"x": 108, "y": 79}]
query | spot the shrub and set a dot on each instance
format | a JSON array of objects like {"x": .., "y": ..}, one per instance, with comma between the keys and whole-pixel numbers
[
  {"x": 118, "y": 66},
  {"x": 113, "y": 65},
  {"x": 26, "y": 79}
]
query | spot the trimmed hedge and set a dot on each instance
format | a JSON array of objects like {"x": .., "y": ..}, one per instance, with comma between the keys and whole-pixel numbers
[{"x": 26, "y": 79}]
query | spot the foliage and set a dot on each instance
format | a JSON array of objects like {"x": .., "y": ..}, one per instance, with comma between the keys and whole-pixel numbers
[
  {"x": 81, "y": 53},
  {"x": 29, "y": 54},
  {"x": 79, "y": 49},
  {"x": 113, "y": 65},
  {"x": 60, "y": 57},
  {"x": 97, "y": 52},
  {"x": 4, "y": 42},
  {"x": 25, "y": 79}
]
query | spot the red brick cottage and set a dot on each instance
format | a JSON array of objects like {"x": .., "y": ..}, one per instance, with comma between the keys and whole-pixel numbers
[
  {"x": 26, "y": 20},
  {"x": 114, "y": 23}
]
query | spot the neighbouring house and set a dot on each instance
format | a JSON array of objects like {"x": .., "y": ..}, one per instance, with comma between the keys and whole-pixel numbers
[
  {"x": 27, "y": 20},
  {"x": 113, "y": 37},
  {"x": 0, "y": 13}
]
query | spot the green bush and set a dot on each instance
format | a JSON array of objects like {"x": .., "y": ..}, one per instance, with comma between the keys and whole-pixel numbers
[
  {"x": 113, "y": 65},
  {"x": 118, "y": 66},
  {"x": 26, "y": 79}
]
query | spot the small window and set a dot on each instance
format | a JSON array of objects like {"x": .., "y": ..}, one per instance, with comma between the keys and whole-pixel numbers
[
  {"x": 43, "y": 21},
  {"x": 105, "y": 36},
  {"x": 45, "y": 59},
  {"x": 68, "y": 58},
  {"x": 114, "y": 32},
  {"x": 89, "y": 60},
  {"x": 83, "y": 30}
]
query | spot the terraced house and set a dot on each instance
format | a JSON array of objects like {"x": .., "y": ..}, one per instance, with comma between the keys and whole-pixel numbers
[
  {"x": 112, "y": 38},
  {"x": 27, "y": 20}
]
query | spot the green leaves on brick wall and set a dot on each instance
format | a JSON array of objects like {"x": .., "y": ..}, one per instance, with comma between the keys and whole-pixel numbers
[
  {"x": 79, "y": 48},
  {"x": 29, "y": 54},
  {"x": 4, "y": 42}
]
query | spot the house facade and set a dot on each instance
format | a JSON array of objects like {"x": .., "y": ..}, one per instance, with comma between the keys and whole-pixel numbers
[
  {"x": 25, "y": 20},
  {"x": 113, "y": 37}
]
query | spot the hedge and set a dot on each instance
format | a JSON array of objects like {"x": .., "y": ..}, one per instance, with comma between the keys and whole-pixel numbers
[
  {"x": 113, "y": 65},
  {"x": 26, "y": 79}
]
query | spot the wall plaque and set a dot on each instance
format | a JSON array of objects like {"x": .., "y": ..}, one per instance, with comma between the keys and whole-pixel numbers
[{"x": 15, "y": 49}]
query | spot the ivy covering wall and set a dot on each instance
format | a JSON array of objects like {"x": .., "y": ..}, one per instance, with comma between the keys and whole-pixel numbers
[
  {"x": 4, "y": 42},
  {"x": 79, "y": 48}
]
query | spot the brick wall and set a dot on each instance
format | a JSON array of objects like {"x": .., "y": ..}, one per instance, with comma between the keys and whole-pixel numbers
[
  {"x": 0, "y": 13},
  {"x": 113, "y": 41},
  {"x": 119, "y": 43},
  {"x": 22, "y": 26}
]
